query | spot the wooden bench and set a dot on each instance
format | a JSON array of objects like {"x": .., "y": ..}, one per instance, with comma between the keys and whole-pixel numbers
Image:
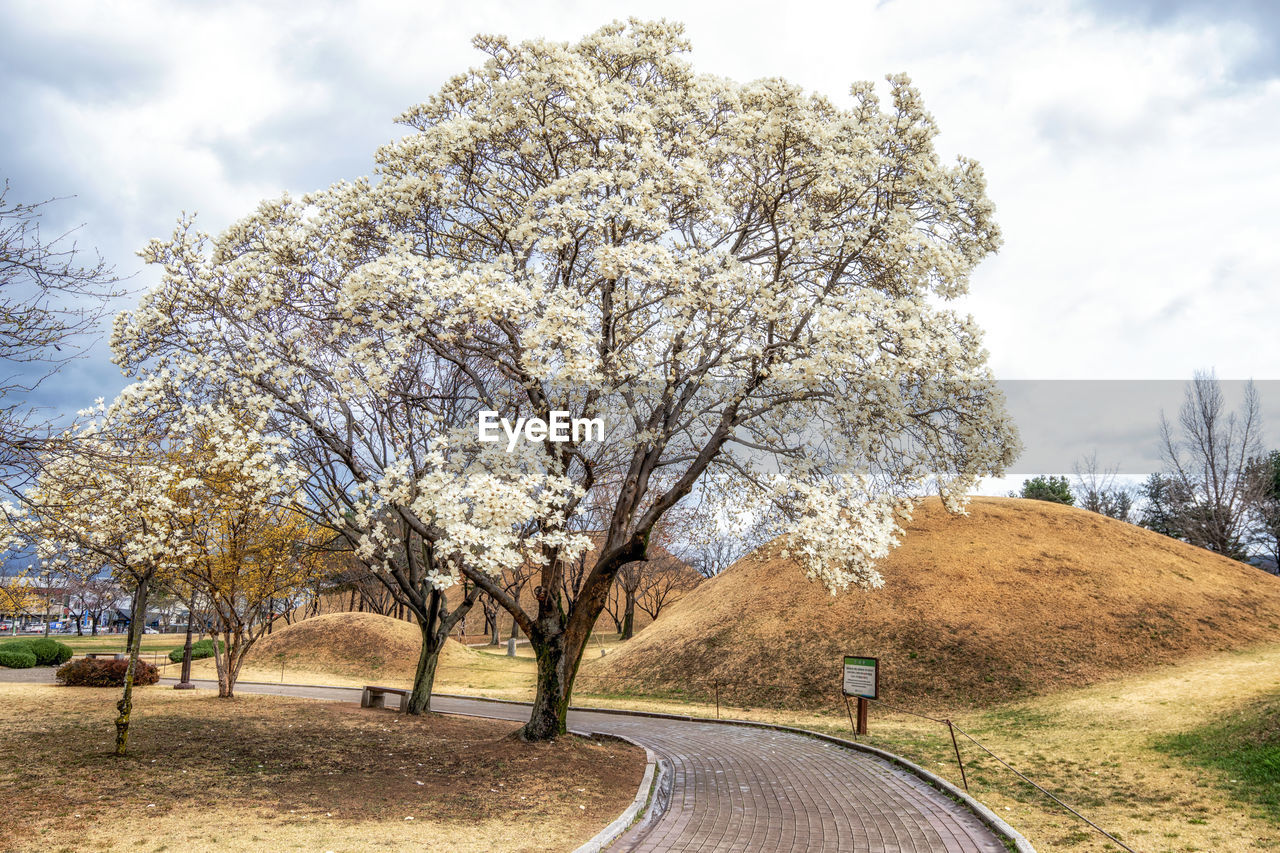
[
  {"x": 110, "y": 655},
  {"x": 376, "y": 697}
]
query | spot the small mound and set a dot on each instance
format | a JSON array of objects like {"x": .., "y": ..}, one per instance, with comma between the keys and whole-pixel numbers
[
  {"x": 1019, "y": 597},
  {"x": 352, "y": 644}
]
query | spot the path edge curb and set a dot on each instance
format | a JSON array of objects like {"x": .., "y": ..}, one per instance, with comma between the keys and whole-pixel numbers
[
  {"x": 640, "y": 806},
  {"x": 984, "y": 813}
]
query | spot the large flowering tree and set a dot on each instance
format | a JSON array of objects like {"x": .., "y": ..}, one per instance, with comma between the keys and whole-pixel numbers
[{"x": 746, "y": 282}]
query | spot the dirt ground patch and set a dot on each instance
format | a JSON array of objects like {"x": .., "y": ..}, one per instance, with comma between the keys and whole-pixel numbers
[
  {"x": 264, "y": 772},
  {"x": 1019, "y": 598}
]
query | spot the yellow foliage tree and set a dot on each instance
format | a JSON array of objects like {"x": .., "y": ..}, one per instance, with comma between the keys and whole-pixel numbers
[
  {"x": 16, "y": 598},
  {"x": 248, "y": 554}
]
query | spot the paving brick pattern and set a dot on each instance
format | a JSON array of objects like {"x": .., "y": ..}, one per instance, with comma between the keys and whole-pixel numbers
[
  {"x": 746, "y": 789},
  {"x": 738, "y": 788}
]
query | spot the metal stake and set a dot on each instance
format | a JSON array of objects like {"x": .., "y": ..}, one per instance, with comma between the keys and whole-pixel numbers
[{"x": 956, "y": 747}]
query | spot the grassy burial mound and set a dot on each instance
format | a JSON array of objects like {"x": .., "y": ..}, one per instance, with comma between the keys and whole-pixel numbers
[
  {"x": 1020, "y": 597},
  {"x": 354, "y": 645}
]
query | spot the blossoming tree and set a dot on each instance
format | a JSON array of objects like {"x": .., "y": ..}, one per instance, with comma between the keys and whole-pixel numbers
[
  {"x": 746, "y": 282},
  {"x": 119, "y": 496},
  {"x": 110, "y": 502}
]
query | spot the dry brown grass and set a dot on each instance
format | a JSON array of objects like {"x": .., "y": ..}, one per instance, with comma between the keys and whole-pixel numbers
[
  {"x": 1019, "y": 598},
  {"x": 354, "y": 649},
  {"x": 272, "y": 773},
  {"x": 350, "y": 644}
]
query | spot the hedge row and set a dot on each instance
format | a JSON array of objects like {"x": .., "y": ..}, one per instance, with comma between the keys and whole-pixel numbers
[
  {"x": 87, "y": 672},
  {"x": 16, "y": 657},
  {"x": 200, "y": 649},
  {"x": 47, "y": 652}
]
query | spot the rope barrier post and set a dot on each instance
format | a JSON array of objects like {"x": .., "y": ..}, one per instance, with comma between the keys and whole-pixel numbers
[
  {"x": 717, "y": 700},
  {"x": 956, "y": 747}
]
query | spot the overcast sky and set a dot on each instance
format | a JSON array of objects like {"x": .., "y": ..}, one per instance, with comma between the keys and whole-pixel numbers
[{"x": 1131, "y": 147}]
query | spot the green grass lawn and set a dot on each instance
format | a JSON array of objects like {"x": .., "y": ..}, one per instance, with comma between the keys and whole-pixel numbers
[{"x": 1245, "y": 746}]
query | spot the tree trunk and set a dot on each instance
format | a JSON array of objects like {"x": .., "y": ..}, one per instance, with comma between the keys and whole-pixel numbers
[
  {"x": 435, "y": 631},
  {"x": 495, "y": 637},
  {"x": 228, "y": 662},
  {"x": 629, "y": 616},
  {"x": 558, "y": 660},
  {"x": 222, "y": 660},
  {"x": 425, "y": 676},
  {"x": 558, "y": 641},
  {"x": 125, "y": 705}
]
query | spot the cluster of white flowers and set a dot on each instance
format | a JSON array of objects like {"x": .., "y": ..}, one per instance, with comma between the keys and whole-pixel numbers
[
  {"x": 746, "y": 281},
  {"x": 130, "y": 489}
]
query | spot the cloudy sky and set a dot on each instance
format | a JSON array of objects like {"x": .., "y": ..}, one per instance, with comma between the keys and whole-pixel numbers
[{"x": 1130, "y": 147}]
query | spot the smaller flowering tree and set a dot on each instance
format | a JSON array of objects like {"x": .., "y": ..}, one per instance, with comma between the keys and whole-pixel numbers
[
  {"x": 249, "y": 543},
  {"x": 110, "y": 501},
  {"x": 117, "y": 496}
]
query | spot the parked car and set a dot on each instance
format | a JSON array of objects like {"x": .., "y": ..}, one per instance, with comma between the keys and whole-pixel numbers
[{"x": 150, "y": 630}]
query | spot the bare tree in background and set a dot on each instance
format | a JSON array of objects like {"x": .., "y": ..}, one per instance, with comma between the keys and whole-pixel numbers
[
  {"x": 1209, "y": 457},
  {"x": 1266, "y": 530},
  {"x": 665, "y": 580},
  {"x": 1098, "y": 490},
  {"x": 713, "y": 557},
  {"x": 49, "y": 300},
  {"x": 98, "y": 596}
]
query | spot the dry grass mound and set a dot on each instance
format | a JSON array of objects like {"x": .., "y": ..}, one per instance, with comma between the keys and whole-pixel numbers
[
  {"x": 1021, "y": 597},
  {"x": 358, "y": 645}
]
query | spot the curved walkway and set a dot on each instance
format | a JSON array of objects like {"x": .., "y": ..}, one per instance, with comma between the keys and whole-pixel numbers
[{"x": 740, "y": 788}]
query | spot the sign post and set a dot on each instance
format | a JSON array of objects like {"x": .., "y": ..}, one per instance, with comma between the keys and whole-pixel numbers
[{"x": 861, "y": 679}]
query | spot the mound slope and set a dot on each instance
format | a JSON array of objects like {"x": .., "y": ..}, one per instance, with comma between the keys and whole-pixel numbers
[
  {"x": 1019, "y": 597},
  {"x": 351, "y": 644}
]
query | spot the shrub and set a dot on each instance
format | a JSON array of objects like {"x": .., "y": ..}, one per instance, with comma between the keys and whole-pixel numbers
[
  {"x": 49, "y": 652},
  {"x": 200, "y": 650},
  {"x": 88, "y": 672},
  {"x": 15, "y": 656}
]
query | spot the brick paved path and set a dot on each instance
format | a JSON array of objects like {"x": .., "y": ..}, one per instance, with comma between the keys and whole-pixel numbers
[{"x": 747, "y": 789}]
